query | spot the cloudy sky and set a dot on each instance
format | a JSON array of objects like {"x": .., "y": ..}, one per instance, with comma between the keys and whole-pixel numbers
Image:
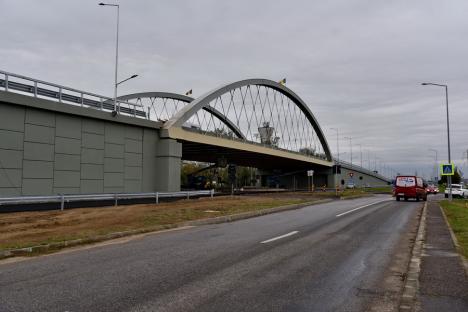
[{"x": 357, "y": 63}]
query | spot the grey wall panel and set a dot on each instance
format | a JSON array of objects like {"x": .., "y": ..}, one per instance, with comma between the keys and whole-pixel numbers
[
  {"x": 67, "y": 146},
  {"x": 11, "y": 140},
  {"x": 66, "y": 190},
  {"x": 112, "y": 179},
  {"x": 93, "y": 126},
  {"x": 150, "y": 140},
  {"x": 132, "y": 186},
  {"x": 92, "y": 172},
  {"x": 114, "y": 150},
  {"x": 113, "y": 165},
  {"x": 40, "y": 117},
  {"x": 67, "y": 162},
  {"x": 10, "y": 191},
  {"x": 92, "y": 140},
  {"x": 10, "y": 178},
  {"x": 38, "y": 169},
  {"x": 38, "y": 151},
  {"x": 118, "y": 189},
  {"x": 40, "y": 134},
  {"x": 11, "y": 159},
  {"x": 66, "y": 178},
  {"x": 37, "y": 186},
  {"x": 133, "y": 173},
  {"x": 12, "y": 117},
  {"x": 91, "y": 186},
  {"x": 68, "y": 126},
  {"x": 133, "y": 160},
  {"x": 114, "y": 133},
  {"x": 134, "y": 133},
  {"x": 92, "y": 156},
  {"x": 133, "y": 146}
]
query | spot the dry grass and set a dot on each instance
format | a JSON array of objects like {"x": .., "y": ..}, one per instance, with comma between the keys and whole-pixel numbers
[{"x": 24, "y": 229}]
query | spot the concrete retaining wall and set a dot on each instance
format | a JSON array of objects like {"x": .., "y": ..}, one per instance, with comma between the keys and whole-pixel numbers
[{"x": 45, "y": 152}]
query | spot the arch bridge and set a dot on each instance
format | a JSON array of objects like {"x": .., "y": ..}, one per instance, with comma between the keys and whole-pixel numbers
[
  {"x": 88, "y": 143},
  {"x": 254, "y": 122}
]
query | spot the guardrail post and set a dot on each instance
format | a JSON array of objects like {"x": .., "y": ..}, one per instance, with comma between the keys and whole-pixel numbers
[
  {"x": 157, "y": 198},
  {"x": 211, "y": 193},
  {"x": 62, "y": 202},
  {"x": 82, "y": 101},
  {"x": 115, "y": 199},
  {"x": 188, "y": 195},
  {"x": 6, "y": 82},
  {"x": 101, "y": 102},
  {"x": 35, "y": 88},
  {"x": 60, "y": 95}
]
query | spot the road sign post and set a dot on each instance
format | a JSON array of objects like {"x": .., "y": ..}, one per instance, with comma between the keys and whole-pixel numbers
[{"x": 310, "y": 179}]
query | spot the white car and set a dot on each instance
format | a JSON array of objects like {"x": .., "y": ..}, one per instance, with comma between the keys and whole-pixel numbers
[{"x": 458, "y": 190}]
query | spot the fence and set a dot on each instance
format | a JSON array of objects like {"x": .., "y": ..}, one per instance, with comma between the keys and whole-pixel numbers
[{"x": 63, "y": 199}]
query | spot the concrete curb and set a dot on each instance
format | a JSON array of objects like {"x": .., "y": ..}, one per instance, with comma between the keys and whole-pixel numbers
[
  {"x": 408, "y": 298},
  {"x": 99, "y": 238},
  {"x": 455, "y": 242}
]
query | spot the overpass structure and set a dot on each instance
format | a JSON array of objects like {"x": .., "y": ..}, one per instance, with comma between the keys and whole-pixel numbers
[{"x": 55, "y": 139}]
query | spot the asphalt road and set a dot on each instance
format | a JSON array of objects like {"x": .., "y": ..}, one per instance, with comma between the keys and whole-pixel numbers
[{"x": 328, "y": 257}]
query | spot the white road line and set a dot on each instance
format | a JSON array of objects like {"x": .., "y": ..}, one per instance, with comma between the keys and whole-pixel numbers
[
  {"x": 279, "y": 237},
  {"x": 349, "y": 211}
]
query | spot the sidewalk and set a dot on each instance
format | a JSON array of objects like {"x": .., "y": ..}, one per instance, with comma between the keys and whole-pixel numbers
[{"x": 443, "y": 285}]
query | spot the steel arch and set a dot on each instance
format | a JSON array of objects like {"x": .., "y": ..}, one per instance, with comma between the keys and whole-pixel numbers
[
  {"x": 187, "y": 99},
  {"x": 203, "y": 101}
]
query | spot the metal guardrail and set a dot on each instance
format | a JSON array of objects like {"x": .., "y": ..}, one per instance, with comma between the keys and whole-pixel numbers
[
  {"x": 82, "y": 98},
  {"x": 63, "y": 199}
]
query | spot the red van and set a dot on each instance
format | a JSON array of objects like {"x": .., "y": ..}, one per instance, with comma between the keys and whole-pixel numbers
[{"x": 410, "y": 187}]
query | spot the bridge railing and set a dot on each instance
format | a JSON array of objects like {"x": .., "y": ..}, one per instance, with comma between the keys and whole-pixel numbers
[
  {"x": 360, "y": 169},
  {"x": 42, "y": 89}
]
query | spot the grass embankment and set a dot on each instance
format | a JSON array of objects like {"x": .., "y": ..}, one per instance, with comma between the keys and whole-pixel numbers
[
  {"x": 457, "y": 215},
  {"x": 25, "y": 229}
]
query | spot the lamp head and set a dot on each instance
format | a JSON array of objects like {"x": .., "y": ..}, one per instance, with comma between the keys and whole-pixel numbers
[
  {"x": 424, "y": 83},
  {"x": 133, "y": 76},
  {"x": 102, "y": 3}
]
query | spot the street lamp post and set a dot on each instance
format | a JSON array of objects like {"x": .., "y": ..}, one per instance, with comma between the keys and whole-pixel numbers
[
  {"x": 436, "y": 171},
  {"x": 350, "y": 148},
  {"x": 338, "y": 158},
  {"x": 449, "y": 177},
  {"x": 116, "y": 84},
  {"x": 360, "y": 151}
]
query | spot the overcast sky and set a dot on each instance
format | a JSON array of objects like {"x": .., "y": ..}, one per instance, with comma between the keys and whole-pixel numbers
[{"x": 357, "y": 63}]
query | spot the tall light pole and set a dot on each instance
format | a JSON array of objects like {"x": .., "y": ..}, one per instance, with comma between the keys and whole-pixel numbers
[
  {"x": 116, "y": 84},
  {"x": 449, "y": 177},
  {"x": 436, "y": 171},
  {"x": 360, "y": 151},
  {"x": 338, "y": 159},
  {"x": 350, "y": 148}
]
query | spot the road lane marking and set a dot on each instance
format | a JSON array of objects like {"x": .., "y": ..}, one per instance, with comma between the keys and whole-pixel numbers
[
  {"x": 279, "y": 237},
  {"x": 349, "y": 211}
]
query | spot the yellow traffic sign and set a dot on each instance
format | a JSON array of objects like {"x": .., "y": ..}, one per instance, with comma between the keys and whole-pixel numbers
[{"x": 447, "y": 169}]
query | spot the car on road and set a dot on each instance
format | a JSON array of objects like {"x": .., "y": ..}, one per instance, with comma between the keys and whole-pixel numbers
[
  {"x": 458, "y": 190},
  {"x": 432, "y": 189},
  {"x": 407, "y": 187}
]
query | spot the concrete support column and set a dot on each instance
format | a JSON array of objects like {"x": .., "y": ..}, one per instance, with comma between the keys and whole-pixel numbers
[{"x": 168, "y": 165}]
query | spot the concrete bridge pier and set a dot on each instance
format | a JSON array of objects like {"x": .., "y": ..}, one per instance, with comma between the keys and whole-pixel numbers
[{"x": 168, "y": 165}]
